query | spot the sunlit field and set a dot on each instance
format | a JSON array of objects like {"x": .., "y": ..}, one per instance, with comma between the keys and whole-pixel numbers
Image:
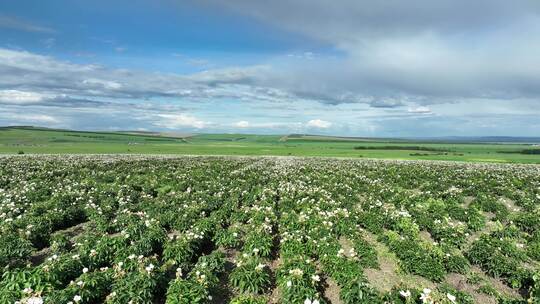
[
  {"x": 156, "y": 229},
  {"x": 15, "y": 140}
]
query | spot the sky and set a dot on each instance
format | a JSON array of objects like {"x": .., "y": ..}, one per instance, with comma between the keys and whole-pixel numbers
[{"x": 393, "y": 68}]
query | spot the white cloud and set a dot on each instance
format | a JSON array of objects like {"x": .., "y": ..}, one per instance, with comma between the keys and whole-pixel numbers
[
  {"x": 173, "y": 121},
  {"x": 105, "y": 84},
  {"x": 429, "y": 51},
  {"x": 34, "y": 118},
  {"x": 318, "y": 123},
  {"x": 420, "y": 110},
  {"x": 241, "y": 124},
  {"x": 20, "y": 97}
]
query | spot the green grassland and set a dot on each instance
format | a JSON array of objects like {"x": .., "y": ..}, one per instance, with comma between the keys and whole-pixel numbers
[{"x": 49, "y": 141}]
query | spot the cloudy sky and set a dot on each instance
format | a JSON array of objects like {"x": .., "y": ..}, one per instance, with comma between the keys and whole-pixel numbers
[{"x": 347, "y": 67}]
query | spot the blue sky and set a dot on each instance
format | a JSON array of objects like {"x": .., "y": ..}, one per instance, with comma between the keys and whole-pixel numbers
[{"x": 359, "y": 68}]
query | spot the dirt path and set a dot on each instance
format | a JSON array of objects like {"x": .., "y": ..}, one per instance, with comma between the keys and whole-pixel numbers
[
  {"x": 459, "y": 282},
  {"x": 274, "y": 293},
  {"x": 331, "y": 292},
  {"x": 389, "y": 273}
]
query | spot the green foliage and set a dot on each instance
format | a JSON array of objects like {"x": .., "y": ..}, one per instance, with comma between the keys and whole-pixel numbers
[
  {"x": 197, "y": 287},
  {"x": 499, "y": 256},
  {"x": 461, "y": 297},
  {"x": 534, "y": 292},
  {"x": 251, "y": 275},
  {"x": 149, "y": 229},
  {"x": 416, "y": 257},
  {"x": 249, "y": 299},
  {"x": 14, "y": 250},
  {"x": 139, "y": 286}
]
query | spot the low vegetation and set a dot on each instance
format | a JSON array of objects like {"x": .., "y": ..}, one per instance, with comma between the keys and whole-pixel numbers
[
  {"x": 135, "y": 229},
  {"x": 32, "y": 140},
  {"x": 402, "y": 147}
]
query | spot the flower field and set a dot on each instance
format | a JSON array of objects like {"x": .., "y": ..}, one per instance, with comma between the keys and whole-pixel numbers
[{"x": 143, "y": 229}]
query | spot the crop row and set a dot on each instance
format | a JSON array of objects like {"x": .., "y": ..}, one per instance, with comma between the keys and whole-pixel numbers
[{"x": 257, "y": 230}]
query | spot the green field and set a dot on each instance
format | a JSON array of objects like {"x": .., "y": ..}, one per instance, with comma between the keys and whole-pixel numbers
[
  {"x": 47, "y": 141},
  {"x": 154, "y": 229}
]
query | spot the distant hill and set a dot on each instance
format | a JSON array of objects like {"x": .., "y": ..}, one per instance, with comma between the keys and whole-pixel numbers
[
  {"x": 480, "y": 139},
  {"x": 37, "y": 140},
  {"x": 307, "y": 137}
]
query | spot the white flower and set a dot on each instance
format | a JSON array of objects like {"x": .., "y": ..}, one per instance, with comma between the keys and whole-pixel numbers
[
  {"x": 307, "y": 301},
  {"x": 27, "y": 290},
  {"x": 405, "y": 293},
  {"x": 450, "y": 297},
  {"x": 149, "y": 268},
  {"x": 289, "y": 283},
  {"x": 296, "y": 272},
  {"x": 316, "y": 277},
  {"x": 34, "y": 300},
  {"x": 85, "y": 270},
  {"x": 315, "y": 302},
  {"x": 77, "y": 298},
  {"x": 425, "y": 297},
  {"x": 260, "y": 267}
]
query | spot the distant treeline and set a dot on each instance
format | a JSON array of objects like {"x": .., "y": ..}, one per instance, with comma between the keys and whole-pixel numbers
[
  {"x": 414, "y": 148},
  {"x": 525, "y": 151}
]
